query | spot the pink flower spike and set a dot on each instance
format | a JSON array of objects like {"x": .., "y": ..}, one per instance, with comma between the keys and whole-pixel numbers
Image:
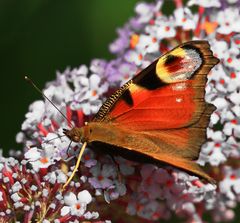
[
  {"x": 42, "y": 129},
  {"x": 69, "y": 115}
]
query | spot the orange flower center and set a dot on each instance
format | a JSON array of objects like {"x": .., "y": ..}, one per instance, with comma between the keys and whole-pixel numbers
[
  {"x": 134, "y": 41},
  {"x": 140, "y": 56},
  {"x": 233, "y": 75},
  {"x": 151, "y": 22},
  {"x": 154, "y": 39},
  {"x": 184, "y": 19},
  {"x": 222, "y": 81},
  {"x": 78, "y": 206},
  {"x": 94, "y": 93},
  {"x": 100, "y": 177},
  {"x": 237, "y": 41},
  {"x": 167, "y": 28},
  {"x": 209, "y": 27},
  {"x": 87, "y": 157},
  {"x": 229, "y": 60},
  {"x": 169, "y": 183},
  {"x": 44, "y": 160}
]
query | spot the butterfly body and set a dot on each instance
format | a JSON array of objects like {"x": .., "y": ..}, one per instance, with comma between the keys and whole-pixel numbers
[{"x": 161, "y": 113}]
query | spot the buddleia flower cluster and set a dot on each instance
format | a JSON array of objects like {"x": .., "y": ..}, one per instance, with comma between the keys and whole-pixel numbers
[{"x": 107, "y": 188}]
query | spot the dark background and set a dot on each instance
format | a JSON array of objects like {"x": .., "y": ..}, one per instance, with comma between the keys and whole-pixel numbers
[{"x": 38, "y": 37}]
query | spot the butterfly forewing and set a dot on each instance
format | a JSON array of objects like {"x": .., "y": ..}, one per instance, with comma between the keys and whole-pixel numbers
[{"x": 167, "y": 94}]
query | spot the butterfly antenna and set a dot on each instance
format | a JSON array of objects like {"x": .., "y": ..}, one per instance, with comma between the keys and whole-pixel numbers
[
  {"x": 47, "y": 141},
  {"x": 77, "y": 165},
  {"x": 35, "y": 86}
]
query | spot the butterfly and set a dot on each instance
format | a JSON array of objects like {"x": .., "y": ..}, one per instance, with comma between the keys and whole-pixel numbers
[{"x": 160, "y": 114}]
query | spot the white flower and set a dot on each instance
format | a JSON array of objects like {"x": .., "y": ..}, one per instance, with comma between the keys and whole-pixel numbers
[
  {"x": 38, "y": 159},
  {"x": 91, "y": 215},
  {"x": 164, "y": 27},
  {"x": 220, "y": 103},
  {"x": 230, "y": 185},
  {"x": 76, "y": 205},
  {"x": 127, "y": 72},
  {"x": 217, "y": 157},
  {"x": 220, "y": 49},
  {"x": 56, "y": 177},
  {"x": 235, "y": 97},
  {"x": 58, "y": 94},
  {"x": 16, "y": 187},
  {"x": 32, "y": 154},
  {"x": 228, "y": 21},
  {"x": 232, "y": 128},
  {"x": 146, "y": 11},
  {"x": 215, "y": 117},
  {"x": 35, "y": 115},
  {"x": 205, "y": 3},
  {"x": 146, "y": 43},
  {"x": 213, "y": 153},
  {"x": 134, "y": 57},
  {"x": 88, "y": 99},
  {"x": 15, "y": 197},
  {"x": 185, "y": 18}
]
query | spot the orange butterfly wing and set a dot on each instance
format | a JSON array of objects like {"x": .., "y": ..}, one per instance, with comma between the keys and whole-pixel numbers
[{"x": 167, "y": 94}]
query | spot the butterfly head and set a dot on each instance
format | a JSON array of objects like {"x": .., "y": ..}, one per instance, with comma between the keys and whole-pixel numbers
[{"x": 74, "y": 134}]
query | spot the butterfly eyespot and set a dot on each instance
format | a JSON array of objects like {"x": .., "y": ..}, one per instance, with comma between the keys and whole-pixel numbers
[{"x": 179, "y": 65}]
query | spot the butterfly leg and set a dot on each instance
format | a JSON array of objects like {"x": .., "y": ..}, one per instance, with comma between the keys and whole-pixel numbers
[{"x": 118, "y": 168}]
